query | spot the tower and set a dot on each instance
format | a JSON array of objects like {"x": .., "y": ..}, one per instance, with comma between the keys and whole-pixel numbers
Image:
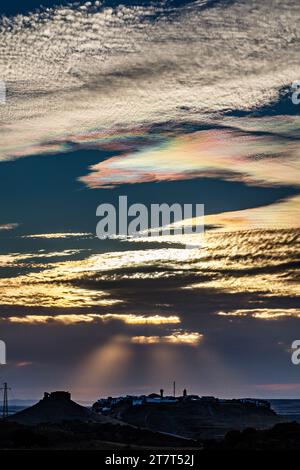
[{"x": 5, "y": 401}]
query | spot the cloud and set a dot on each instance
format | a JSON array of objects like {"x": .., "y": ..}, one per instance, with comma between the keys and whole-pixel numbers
[
  {"x": 264, "y": 313},
  {"x": 55, "y": 235},
  {"x": 71, "y": 319},
  {"x": 71, "y": 71},
  {"x": 123, "y": 308},
  {"x": 274, "y": 216},
  {"x": 228, "y": 154},
  {"x": 5, "y": 227},
  {"x": 191, "y": 339},
  {"x": 259, "y": 263}
]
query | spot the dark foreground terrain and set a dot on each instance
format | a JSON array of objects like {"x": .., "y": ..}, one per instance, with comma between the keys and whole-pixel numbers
[
  {"x": 84, "y": 435},
  {"x": 284, "y": 436},
  {"x": 94, "y": 436}
]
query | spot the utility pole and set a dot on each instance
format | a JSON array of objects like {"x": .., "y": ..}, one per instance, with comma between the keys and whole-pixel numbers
[
  {"x": 5, "y": 400},
  {"x": 174, "y": 388}
]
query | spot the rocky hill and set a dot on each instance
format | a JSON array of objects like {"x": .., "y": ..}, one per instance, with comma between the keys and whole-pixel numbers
[{"x": 57, "y": 407}]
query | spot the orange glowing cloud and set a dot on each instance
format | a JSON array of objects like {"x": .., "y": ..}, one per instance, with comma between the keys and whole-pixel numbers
[
  {"x": 264, "y": 313},
  {"x": 72, "y": 319},
  {"x": 188, "y": 338}
]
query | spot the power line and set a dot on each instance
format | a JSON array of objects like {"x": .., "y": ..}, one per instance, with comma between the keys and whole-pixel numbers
[{"x": 5, "y": 400}]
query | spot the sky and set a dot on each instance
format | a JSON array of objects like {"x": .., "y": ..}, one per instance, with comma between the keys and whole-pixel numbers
[{"x": 164, "y": 102}]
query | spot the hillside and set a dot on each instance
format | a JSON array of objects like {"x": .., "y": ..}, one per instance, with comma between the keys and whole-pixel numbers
[
  {"x": 284, "y": 436},
  {"x": 197, "y": 420},
  {"x": 55, "y": 408},
  {"x": 85, "y": 435}
]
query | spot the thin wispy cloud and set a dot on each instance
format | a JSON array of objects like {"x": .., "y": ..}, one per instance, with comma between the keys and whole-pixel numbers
[{"x": 4, "y": 227}]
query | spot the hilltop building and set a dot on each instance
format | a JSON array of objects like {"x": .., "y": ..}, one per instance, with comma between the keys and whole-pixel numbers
[{"x": 106, "y": 405}]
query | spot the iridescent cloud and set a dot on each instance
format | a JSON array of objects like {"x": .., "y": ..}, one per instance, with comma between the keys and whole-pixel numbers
[
  {"x": 91, "y": 69},
  {"x": 229, "y": 154}
]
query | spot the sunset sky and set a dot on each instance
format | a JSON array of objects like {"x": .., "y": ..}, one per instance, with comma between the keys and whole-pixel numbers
[{"x": 164, "y": 102}]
